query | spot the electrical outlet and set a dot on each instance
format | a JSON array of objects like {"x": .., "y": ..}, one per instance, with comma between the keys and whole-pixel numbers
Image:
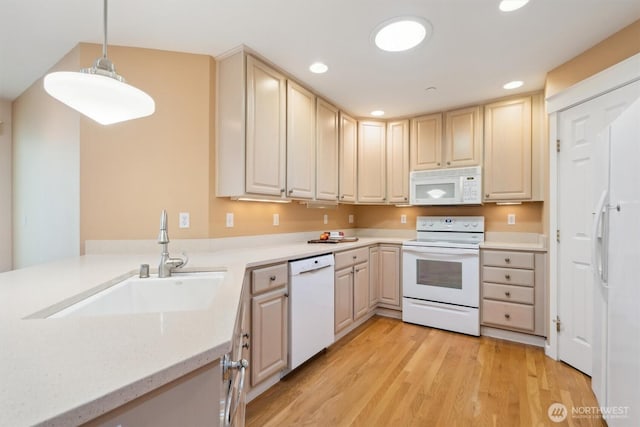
[
  {"x": 325, "y": 219},
  {"x": 351, "y": 219},
  {"x": 229, "y": 219},
  {"x": 511, "y": 219},
  {"x": 183, "y": 220},
  {"x": 276, "y": 219},
  {"x": 403, "y": 219}
]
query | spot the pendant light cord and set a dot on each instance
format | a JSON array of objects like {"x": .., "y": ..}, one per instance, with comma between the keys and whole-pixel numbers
[{"x": 104, "y": 45}]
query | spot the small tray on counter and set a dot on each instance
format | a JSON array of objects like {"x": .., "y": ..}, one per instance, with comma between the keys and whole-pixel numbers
[{"x": 342, "y": 240}]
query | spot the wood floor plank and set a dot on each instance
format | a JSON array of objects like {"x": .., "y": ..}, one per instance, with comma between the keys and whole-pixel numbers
[{"x": 390, "y": 373}]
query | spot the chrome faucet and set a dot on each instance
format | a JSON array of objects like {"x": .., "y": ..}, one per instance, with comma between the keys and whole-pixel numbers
[{"x": 167, "y": 264}]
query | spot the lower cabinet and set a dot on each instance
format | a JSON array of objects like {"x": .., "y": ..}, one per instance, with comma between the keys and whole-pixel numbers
[
  {"x": 389, "y": 276},
  {"x": 513, "y": 291},
  {"x": 269, "y": 321},
  {"x": 351, "y": 287},
  {"x": 374, "y": 276}
]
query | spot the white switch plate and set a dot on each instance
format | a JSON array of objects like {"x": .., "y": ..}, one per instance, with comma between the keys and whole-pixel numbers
[
  {"x": 183, "y": 220},
  {"x": 229, "y": 219},
  {"x": 511, "y": 219},
  {"x": 403, "y": 219},
  {"x": 276, "y": 219},
  {"x": 325, "y": 219},
  {"x": 351, "y": 219}
]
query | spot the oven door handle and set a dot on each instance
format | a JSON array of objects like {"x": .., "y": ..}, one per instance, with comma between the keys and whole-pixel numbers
[{"x": 439, "y": 251}]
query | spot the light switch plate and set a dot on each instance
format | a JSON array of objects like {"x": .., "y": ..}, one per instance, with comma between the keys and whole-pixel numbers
[
  {"x": 351, "y": 218},
  {"x": 229, "y": 219},
  {"x": 403, "y": 219},
  {"x": 325, "y": 219},
  {"x": 276, "y": 219},
  {"x": 183, "y": 220},
  {"x": 511, "y": 219}
]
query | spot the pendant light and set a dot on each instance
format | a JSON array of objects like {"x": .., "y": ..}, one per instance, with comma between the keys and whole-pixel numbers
[{"x": 99, "y": 92}]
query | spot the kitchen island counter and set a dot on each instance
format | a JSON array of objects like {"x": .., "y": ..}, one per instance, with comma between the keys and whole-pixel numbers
[{"x": 67, "y": 371}]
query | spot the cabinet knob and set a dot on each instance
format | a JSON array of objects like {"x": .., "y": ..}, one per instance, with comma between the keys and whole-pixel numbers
[
  {"x": 406, "y": 198},
  {"x": 245, "y": 345},
  {"x": 507, "y": 260},
  {"x": 338, "y": 197},
  {"x": 272, "y": 278},
  {"x": 291, "y": 191},
  {"x": 286, "y": 294},
  {"x": 507, "y": 293},
  {"x": 245, "y": 335},
  {"x": 282, "y": 190},
  {"x": 486, "y": 196},
  {"x": 342, "y": 197},
  {"x": 507, "y": 316},
  {"x": 507, "y": 276},
  {"x": 449, "y": 163},
  {"x": 438, "y": 164}
]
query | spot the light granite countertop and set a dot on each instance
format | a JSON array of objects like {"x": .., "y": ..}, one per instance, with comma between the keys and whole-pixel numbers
[{"x": 67, "y": 371}]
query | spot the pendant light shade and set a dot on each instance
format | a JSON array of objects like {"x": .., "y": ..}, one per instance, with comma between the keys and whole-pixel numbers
[{"x": 99, "y": 92}]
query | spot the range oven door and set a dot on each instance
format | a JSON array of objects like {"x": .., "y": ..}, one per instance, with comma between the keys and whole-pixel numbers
[{"x": 447, "y": 275}]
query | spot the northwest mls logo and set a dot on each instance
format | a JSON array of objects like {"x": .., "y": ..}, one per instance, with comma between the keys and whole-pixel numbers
[{"x": 557, "y": 412}]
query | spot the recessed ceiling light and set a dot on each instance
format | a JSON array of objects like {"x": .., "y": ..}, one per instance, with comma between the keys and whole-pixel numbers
[
  {"x": 511, "y": 5},
  {"x": 400, "y": 34},
  {"x": 377, "y": 113},
  {"x": 318, "y": 68},
  {"x": 513, "y": 85}
]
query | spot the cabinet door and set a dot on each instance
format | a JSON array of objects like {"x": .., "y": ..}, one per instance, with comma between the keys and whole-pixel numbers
[
  {"x": 360, "y": 290},
  {"x": 426, "y": 142},
  {"x": 390, "y": 275},
  {"x": 371, "y": 162},
  {"x": 343, "y": 310},
  {"x": 301, "y": 142},
  {"x": 507, "y": 139},
  {"x": 463, "y": 137},
  {"x": 327, "y": 151},
  {"x": 269, "y": 334},
  {"x": 374, "y": 276},
  {"x": 348, "y": 158},
  {"x": 266, "y": 129},
  {"x": 398, "y": 161}
]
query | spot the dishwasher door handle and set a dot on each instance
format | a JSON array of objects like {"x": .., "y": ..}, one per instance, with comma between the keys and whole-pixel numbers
[{"x": 316, "y": 269}]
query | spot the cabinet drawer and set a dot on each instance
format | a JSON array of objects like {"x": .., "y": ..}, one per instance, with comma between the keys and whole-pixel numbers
[
  {"x": 507, "y": 314},
  {"x": 510, "y": 276},
  {"x": 508, "y": 259},
  {"x": 507, "y": 293},
  {"x": 349, "y": 258},
  {"x": 265, "y": 279}
]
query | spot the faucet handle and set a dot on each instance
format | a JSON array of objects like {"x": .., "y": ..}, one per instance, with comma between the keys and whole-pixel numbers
[{"x": 185, "y": 260}]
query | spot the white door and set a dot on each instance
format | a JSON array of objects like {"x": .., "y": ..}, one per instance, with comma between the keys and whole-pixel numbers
[{"x": 581, "y": 146}]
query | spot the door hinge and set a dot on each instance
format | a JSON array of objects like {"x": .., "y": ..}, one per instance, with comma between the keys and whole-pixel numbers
[
  {"x": 558, "y": 235},
  {"x": 558, "y": 145},
  {"x": 557, "y": 322}
]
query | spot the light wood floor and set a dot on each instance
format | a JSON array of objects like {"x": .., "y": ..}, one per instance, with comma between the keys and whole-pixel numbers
[{"x": 390, "y": 373}]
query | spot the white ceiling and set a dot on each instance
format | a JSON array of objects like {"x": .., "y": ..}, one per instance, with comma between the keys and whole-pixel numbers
[{"x": 473, "y": 51}]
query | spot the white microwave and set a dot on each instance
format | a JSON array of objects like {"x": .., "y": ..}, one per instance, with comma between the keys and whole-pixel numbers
[{"x": 459, "y": 186}]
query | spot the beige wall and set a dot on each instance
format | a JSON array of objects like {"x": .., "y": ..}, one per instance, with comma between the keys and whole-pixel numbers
[
  {"x": 619, "y": 46},
  {"x": 130, "y": 171},
  {"x": 528, "y": 216},
  {"x": 45, "y": 175},
  {"x": 6, "y": 262}
]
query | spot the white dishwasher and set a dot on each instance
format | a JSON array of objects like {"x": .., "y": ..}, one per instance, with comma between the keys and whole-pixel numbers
[{"x": 310, "y": 307}]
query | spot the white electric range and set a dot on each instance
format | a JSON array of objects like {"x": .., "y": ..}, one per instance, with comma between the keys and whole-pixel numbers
[{"x": 441, "y": 273}]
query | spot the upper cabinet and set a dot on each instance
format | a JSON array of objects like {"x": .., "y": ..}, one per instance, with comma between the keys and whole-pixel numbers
[
  {"x": 348, "y": 158},
  {"x": 327, "y": 127},
  {"x": 371, "y": 162},
  {"x": 251, "y": 128},
  {"x": 301, "y": 142},
  {"x": 398, "y": 161},
  {"x": 426, "y": 142},
  {"x": 513, "y": 144},
  {"x": 462, "y": 143},
  {"x": 463, "y": 137}
]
